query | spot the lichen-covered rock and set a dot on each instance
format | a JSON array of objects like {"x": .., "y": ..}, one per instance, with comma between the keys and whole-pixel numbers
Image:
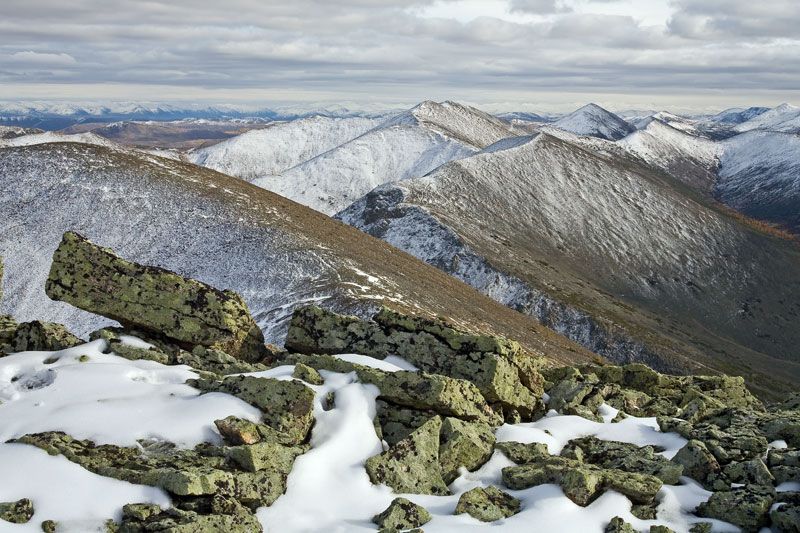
[
  {"x": 236, "y": 431},
  {"x": 396, "y": 423},
  {"x": 660, "y": 529},
  {"x": 417, "y": 390},
  {"x": 307, "y": 374},
  {"x": 18, "y": 512},
  {"x": 752, "y": 472},
  {"x": 228, "y": 517},
  {"x": 522, "y": 453},
  {"x": 728, "y": 438},
  {"x": 487, "y": 504},
  {"x": 205, "y": 471},
  {"x": 582, "y": 483},
  {"x": 463, "y": 444},
  {"x": 618, "y": 525},
  {"x": 264, "y": 456},
  {"x": 411, "y": 465},
  {"x": 402, "y": 514},
  {"x": 698, "y": 463},
  {"x": 42, "y": 337},
  {"x": 701, "y": 527},
  {"x": 49, "y": 526},
  {"x": 286, "y": 406},
  {"x": 747, "y": 507},
  {"x": 8, "y": 326},
  {"x": 786, "y": 518},
  {"x": 95, "y": 279},
  {"x": 624, "y": 456},
  {"x": 502, "y": 373}
]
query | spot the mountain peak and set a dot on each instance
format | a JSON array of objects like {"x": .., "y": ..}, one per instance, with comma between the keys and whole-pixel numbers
[{"x": 595, "y": 121}]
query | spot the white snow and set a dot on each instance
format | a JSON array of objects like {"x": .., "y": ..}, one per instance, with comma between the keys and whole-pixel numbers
[
  {"x": 55, "y": 137},
  {"x": 329, "y": 490},
  {"x": 390, "y": 364},
  {"x": 108, "y": 399}
]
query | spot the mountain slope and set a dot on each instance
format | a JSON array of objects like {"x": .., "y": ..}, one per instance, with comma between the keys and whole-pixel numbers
[
  {"x": 617, "y": 256},
  {"x": 594, "y": 121},
  {"x": 690, "y": 158},
  {"x": 223, "y": 231},
  {"x": 280, "y": 146},
  {"x": 737, "y": 115},
  {"x": 410, "y": 144}
]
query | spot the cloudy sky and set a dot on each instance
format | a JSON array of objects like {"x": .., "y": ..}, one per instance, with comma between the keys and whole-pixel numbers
[{"x": 516, "y": 54}]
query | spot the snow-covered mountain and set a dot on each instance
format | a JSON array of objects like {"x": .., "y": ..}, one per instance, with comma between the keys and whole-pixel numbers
[
  {"x": 784, "y": 118},
  {"x": 54, "y": 137},
  {"x": 280, "y": 146},
  {"x": 595, "y": 121},
  {"x": 689, "y": 157},
  {"x": 759, "y": 175},
  {"x": 737, "y": 115},
  {"x": 409, "y": 144},
  {"x": 223, "y": 231},
  {"x": 613, "y": 254}
]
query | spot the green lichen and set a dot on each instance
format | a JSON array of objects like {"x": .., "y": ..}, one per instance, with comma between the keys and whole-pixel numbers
[
  {"x": 402, "y": 514},
  {"x": 487, "y": 504}
]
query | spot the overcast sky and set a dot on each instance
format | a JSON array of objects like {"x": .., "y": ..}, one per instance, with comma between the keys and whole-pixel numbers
[{"x": 549, "y": 55}]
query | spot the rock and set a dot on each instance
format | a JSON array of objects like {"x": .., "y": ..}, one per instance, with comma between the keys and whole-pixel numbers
[
  {"x": 190, "y": 312},
  {"x": 264, "y": 456},
  {"x": 396, "y": 422},
  {"x": 206, "y": 471},
  {"x": 411, "y": 465},
  {"x": 487, "y": 504},
  {"x": 523, "y": 453},
  {"x": 624, "y": 456},
  {"x": 18, "y": 512},
  {"x": 645, "y": 512},
  {"x": 618, "y": 525},
  {"x": 752, "y": 472},
  {"x": 286, "y": 406},
  {"x": 660, "y": 529},
  {"x": 502, "y": 373},
  {"x": 307, "y": 374},
  {"x": 746, "y": 507},
  {"x": 402, "y": 514},
  {"x": 236, "y": 431},
  {"x": 698, "y": 463},
  {"x": 42, "y": 337},
  {"x": 463, "y": 444},
  {"x": 8, "y": 326},
  {"x": 582, "y": 483},
  {"x": 49, "y": 526},
  {"x": 786, "y": 518},
  {"x": 701, "y": 527},
  {"x": 141, "y": 518},
  {"x": 416, "y": 390}
]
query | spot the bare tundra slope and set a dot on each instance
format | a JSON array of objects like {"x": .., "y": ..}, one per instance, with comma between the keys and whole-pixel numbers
[
  {"x": 223, "y": 231},
  {"x": 618, "y": 256}
]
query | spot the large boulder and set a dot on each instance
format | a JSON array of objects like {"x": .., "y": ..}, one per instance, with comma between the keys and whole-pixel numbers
[
  {"x": 225, "y": 515},
  {"x": 8, "y": 327},
  {"x": 698, "y": 463},
  {"x": 95, "y": 279},
  {"x": 503, "y": 373},
  {"x": 624, "y": 456},
  {"x": 411, "y": 465}
]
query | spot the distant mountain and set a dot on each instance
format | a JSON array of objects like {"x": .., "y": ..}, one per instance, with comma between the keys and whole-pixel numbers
[
  {"x": 522, "y": 116},
  {"x": 759, "y": 175},
  {"x": 60, "y": 115},
  {"x": 616, "y": 255},
  {"x": 784, "y": 118},
  {"x": 223, "y": 231},
  {"x": 737, "y": 115},
  {"x": 409, "y": 144},
  {"x": 10, "y": 132},
  {"x": 280, "y": 146},
  {"x": 594, "y": 121}
]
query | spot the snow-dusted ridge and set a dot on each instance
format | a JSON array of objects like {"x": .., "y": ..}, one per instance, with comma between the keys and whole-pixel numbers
[
  {"x": 593, "y": 120},
  {"x": 578, "y": 234}
]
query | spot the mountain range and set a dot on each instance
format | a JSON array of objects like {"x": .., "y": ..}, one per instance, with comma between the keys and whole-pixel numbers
[{"x": 655, "y": 238}]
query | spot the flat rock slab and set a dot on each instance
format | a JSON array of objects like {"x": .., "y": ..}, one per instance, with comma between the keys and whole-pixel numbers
[{"x": 95, "y": 279}]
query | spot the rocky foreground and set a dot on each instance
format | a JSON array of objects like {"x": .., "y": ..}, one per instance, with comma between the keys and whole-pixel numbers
[{"x": 445, "y": 415}]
